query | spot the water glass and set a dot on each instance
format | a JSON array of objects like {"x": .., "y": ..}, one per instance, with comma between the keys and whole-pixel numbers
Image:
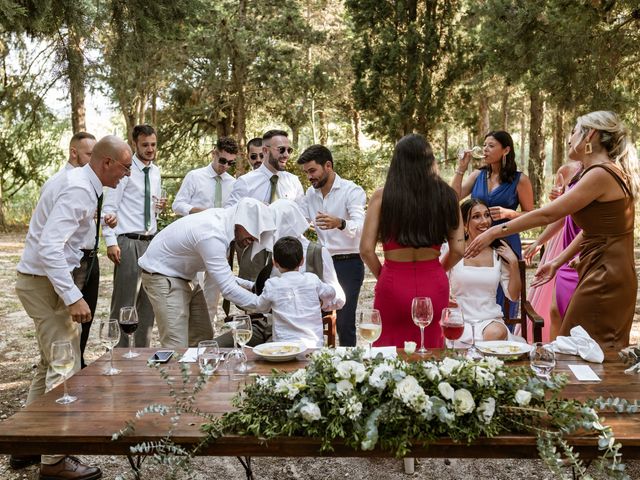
[
  {"x": 208, "y": 356},
  {"x": 542, "y": 360}
]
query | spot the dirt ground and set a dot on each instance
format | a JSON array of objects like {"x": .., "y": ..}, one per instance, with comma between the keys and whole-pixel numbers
[{"x": 18, "y": 354}]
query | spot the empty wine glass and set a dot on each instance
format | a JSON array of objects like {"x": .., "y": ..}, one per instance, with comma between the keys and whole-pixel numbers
[
  {"x": 473, "y": 353},
  {"x": 129, "y": 324},
  {"x": 110, "y": 335},
  {"x": 62, "y": 362},
  {"x": 369, "y": 326},
  {"x": 159, "y": 202},
  {"x": 542, "y": 359},
  {"x": 422, "y": 314},
  {"x": 208, "y": 356},
  {"x": 452, "y": 324}
]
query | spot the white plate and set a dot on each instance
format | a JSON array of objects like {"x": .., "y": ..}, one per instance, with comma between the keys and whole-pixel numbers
[
  {"x": 279, "y": 351},
  {"x": 503, "y": 348}
]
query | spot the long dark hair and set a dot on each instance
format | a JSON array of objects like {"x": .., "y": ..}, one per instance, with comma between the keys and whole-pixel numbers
[
  {"x": 508, "y": 170},
  {"x": 419, "y": 209}
]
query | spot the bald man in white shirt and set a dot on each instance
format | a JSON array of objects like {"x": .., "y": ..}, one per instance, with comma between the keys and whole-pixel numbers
[
  {"x": 45, "y": 285},
  {"x": 200, "y": 242}
]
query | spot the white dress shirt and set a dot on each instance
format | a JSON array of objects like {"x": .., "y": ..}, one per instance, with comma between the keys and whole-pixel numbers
[
  {"x": 57, "y": 182},
  {"x": 257, "y": 184},
  {"x": 127, "y": 202},
  {"x": 295, "y": 301},
  {"x": 345, "y": 200},
  {"x": 198, "y": 190},
  {"x": 58, "y": 228},
  {"x": 195, "y": 243}
]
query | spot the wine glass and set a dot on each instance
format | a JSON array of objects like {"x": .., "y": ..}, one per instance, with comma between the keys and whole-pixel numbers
[
  {"x": 473, "y": 353},
  {"x": 159, "y": 202},
  {"x": 110, "y": 335},
  {"x": 62, "y": 361},
  {"x": 369, "y": 326},
  {"x": 542, "y": 359},
  {"x": 476, "y": 152},
  {"x": 236, "y": 360},
  {"x": 129, "y": 324},
  {"x": 208, "y": 356},
  {"x": 422, "y": 314},
  {"x": 452, "y": 324}
]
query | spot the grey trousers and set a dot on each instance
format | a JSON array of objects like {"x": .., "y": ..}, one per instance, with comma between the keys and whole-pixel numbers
[{"x": 128, "y": 291}]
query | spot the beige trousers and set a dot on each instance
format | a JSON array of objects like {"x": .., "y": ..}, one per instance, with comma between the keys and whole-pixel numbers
[
  {"x": 180, "y": 310},
  {"x": 53, "y": 323}
]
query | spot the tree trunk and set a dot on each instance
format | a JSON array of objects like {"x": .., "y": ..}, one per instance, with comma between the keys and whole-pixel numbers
[
  {"x": 536, "y": 145},
  {"x": 445, "y": 155},
  {"x": 295, "y": 136},
  {"x": 3, "y": 224},
  {"x": 355, "y": 127},
  {"x": 483, "y": 119},
  {"x": 76, "y": 76},
  {"x": 558, "y": 140},
  {"x": 154, "y": 108},
  {"x": 322, "y": 126},
  {"x": 505, "y": 108},
  {"x": 523, "y": 132}
]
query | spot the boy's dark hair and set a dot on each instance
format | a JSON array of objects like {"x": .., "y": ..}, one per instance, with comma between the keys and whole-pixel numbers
[
  {"x": 227, "y": 144},
  {"x": 274, "y": 133},
  {"x": 287, "y": 252},
  {"x": 316, "y": 153},
  {"x": 254, "y": 142},
  {"x": 145, "y": 130}
]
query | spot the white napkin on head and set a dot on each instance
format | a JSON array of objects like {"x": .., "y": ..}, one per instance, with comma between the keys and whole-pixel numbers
[{"x": 579, "y": 343}]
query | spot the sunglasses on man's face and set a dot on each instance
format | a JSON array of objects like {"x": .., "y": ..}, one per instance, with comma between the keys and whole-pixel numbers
[
  {"x": 282, "y": 149},
  {"x": 254, "y": 156},
  {"x": 224, "y": 161}
]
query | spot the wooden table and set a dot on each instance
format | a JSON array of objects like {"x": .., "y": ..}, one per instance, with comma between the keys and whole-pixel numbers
[{"x": 105, "y": 403}]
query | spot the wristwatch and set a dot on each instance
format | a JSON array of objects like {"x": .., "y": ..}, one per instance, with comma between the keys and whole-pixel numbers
[{"x": 343, "y": 225}]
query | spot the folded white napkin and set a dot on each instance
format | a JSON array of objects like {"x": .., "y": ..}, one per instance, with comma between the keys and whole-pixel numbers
[
  {"x": 190, "y": 356},
  {"x": 579, "y": 343},
  {"x": 387, "y": 352}
]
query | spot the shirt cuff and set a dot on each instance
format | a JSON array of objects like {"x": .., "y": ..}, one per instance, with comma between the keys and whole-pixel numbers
[{"x": 72, "y": 296}]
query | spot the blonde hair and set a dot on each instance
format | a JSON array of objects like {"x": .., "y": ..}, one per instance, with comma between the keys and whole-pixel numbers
[{"x": 615, "y": 139}]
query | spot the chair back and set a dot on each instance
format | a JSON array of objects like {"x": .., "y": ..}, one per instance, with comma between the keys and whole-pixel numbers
[
  {"x": 329, "y": 327},
  {"x": 527, "y": 313}
]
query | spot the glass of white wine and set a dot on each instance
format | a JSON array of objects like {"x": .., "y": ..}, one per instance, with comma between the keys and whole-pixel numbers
[
  {"x": 242, "y": 333},
  {"x": 208, "y": 356},
  {"x": 62, "y": 362},
  {"x": 476, "y": 152},
  {"x": 110, "y": 335},
  {"x": 369, "y": 326}
]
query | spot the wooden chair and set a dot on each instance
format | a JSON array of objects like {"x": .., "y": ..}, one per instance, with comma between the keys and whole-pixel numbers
[
  {"x": 527, "y": 313},
  {"x": 329, "y": 327}
]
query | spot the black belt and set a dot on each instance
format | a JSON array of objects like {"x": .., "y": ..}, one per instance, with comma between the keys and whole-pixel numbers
[
  {"x": 135, "y": 236},
  {"x": 86, "y": 253},
  {"x": 169, "y": 276},
  {"x": 345, "y": 256}
]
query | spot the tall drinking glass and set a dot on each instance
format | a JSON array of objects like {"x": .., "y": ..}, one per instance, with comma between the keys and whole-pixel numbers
[
  {"x": 110, "y": 335},
  {"x": 129, "y": 324},
  {"x": 369, "y": 326},
  {"x": 422, "y": 314},
  {"x": 62, "y": 362}
]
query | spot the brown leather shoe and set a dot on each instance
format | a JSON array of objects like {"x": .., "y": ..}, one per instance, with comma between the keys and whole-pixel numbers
[
  {"x": 23, "y": 461},
  {"x": 69, "y": 468}
]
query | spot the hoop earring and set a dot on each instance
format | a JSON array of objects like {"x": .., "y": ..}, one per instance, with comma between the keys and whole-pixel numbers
[
  {"x": 588, "y": 148},
  {"x": 504, "y": 160}
]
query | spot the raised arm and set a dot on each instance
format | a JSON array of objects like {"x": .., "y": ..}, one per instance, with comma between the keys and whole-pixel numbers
[{"x": 369, "y": 237}]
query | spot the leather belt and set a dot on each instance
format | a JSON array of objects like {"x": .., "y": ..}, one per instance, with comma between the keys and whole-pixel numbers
[
  {"x": 169, "y": 276},
  {"x": 135, "y": 236},
  {"x": 345, "y": 256}
]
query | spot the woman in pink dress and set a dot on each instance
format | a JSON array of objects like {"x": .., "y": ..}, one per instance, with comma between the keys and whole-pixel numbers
[{"x": 411, "y": 216}]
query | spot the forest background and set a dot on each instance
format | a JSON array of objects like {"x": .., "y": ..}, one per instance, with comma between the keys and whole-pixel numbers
[{"x": 354, "y": 75}]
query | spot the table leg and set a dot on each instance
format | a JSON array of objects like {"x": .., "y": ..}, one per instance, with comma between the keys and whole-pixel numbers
[
  {"x": 246, "y": 463},
  {"x": 135, "y": 464}
]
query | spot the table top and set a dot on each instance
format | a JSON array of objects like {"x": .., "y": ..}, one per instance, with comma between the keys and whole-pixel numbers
[{"x": 105, "y": 403}]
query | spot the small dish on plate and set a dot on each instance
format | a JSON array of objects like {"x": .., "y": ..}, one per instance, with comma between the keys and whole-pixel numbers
[
  {"x": 279, "y": 351},
  {"x": 503, "y": 348}
]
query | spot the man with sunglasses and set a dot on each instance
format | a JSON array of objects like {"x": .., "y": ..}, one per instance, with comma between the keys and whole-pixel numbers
[
  {"x": 254, "y": 151},
  {"x": 133, "y": 203}
]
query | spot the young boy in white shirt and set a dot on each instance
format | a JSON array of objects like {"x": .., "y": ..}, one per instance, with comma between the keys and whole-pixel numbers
[{"x": 295, "y": 298}]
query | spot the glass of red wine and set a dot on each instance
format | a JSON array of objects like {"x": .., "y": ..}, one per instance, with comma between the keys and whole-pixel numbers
[
  {"x": 129, "y": 323},
  {"x": 452, "y": 324},
  {"x": 422, "y": 314}
]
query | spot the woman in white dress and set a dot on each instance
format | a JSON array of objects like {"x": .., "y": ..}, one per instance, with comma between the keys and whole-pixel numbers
[{"x": 474, "y": 281}]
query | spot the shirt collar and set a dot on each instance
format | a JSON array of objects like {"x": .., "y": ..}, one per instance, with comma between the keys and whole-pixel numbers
[
  {"x": 138, "y": 163},
  {"x": 93, "y": 178},
  {"x": 337, "y": 181},
  {"x": 266, "y": 172}
]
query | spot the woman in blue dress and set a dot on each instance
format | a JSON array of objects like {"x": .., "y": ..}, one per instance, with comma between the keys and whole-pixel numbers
[{"x": 500, "y": 185}]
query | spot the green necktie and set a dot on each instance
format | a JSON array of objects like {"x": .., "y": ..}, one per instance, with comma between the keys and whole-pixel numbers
[
  {"x": 274, "y": 189},
  {"x": 147, "y": 199},
  {"x": 217, "y": 203}
]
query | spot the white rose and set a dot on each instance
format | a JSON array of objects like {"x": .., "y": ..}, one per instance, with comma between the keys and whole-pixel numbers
[
  {"x": 493, "y": 363},
  {"x": 523, "y": 397},
  {"x": 411, "y": 393},
  {"x": 349, "y": 368},
  {"x": 486, "y": 409},
  {"x": 310, "y": 412},
  {"x": 379, "y": 377},
  {"x": 409, "y": 347},
  {"x": 343, "y": 387},
  {"x": 463, "y": 401},
  {"x": 448, "y": 365},
  {"x": 446, "y": 390},
  {"x": 483, "y": 376}
]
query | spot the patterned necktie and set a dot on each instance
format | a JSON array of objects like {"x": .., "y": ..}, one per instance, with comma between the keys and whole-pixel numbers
[
  {"x": 274, "y": 189},
  {"x": 147, "y": 199},
  {"x": 217, "y": 203}
]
